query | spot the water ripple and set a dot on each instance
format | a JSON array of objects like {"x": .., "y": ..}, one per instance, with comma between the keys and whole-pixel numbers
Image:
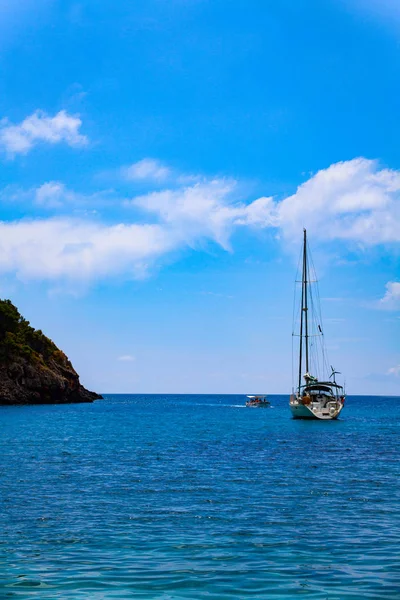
[{"x": 183, "y": 497}]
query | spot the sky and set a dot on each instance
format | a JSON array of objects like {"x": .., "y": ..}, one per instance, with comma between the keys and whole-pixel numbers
[{"x": 159, "y": 160}]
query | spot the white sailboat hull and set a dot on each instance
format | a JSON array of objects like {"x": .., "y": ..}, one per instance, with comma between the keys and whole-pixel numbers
[{"x": 316, "y": 411}]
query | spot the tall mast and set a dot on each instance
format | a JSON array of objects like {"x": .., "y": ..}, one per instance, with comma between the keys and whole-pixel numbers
[
  {"x": 303, "y": 312},
  {"x": 301, "y": 325},
  {"x": 305, "y": 295}
]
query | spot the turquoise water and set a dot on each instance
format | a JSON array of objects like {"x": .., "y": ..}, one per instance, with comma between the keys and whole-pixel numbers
[{"x": 196, "y": 497}]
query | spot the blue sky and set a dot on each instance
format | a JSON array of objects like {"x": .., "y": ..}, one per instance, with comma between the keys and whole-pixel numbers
[{"x": 159, "y": 160}]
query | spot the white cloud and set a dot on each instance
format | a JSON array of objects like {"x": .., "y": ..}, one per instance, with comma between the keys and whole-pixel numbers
[
  {"x": 394, "y": 371},
  {"x": 39, "y": 127},
  {"x": 126, "y": 358},
  {"x": 391, "y": 299},
  {"x": 147, "y": 169},
  {"x": 51, "y": 249},
  {"x": 260, "y": 212},
  {"x": 82, "y": 250},
  {"x": 52, "y": 194},
  {"x": 206, "y": 209},
  {"x": 353, "y": 200}
]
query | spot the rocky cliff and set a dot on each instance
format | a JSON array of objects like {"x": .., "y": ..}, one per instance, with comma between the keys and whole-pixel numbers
[{"x": 32, "y": 369}]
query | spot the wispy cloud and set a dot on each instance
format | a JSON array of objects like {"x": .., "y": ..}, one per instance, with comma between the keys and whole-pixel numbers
[
  {"x": 153, "y": 172},
  {"x": 56, "y": 195},
  {"x": 209, "y": 209},
  {"x": 147, "y": 169},
  {"x": 39, "y": 127},
  {"x": 394, "y": 371},
  {"x": 126, "y": 358},
  {"x": 391, "y": 299},
  {"x": 52, "y": 196}
]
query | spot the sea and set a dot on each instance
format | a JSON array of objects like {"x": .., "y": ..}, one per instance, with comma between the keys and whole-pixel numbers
[{"x": 197, "y": 497}]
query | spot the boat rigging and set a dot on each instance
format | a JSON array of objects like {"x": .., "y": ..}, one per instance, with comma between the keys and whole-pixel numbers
[{"x": 313, "y": 399}]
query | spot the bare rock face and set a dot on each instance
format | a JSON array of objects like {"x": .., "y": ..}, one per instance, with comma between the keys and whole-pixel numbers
[{"x": 32, "y": 369}]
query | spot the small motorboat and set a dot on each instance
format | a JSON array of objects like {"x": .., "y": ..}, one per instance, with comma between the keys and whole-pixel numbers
[{"x": 257, "y": 402}]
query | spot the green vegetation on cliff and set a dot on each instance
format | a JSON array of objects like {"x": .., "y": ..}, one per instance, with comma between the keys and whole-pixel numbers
[
  {"x": 18, "y": 338},
  {"x": 32, "y": 369}
]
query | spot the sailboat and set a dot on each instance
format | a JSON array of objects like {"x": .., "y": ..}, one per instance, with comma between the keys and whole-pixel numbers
[{"x": 313, "y": 398}]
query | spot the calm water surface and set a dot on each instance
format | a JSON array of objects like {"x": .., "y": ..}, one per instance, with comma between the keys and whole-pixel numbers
[{"x": 197, "y": 497}]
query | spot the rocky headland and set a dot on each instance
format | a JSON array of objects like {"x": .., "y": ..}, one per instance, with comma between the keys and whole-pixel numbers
[{"x": 32, "y": 369}]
